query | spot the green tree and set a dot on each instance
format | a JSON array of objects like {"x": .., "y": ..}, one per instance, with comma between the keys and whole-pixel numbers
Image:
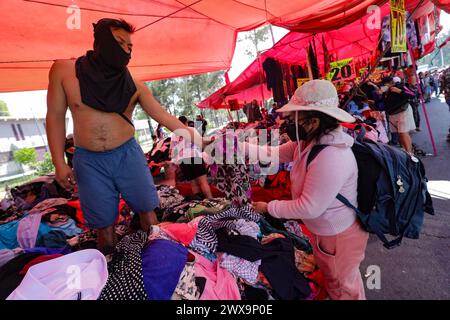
[
  {"x": 165, "y": 91},
  {"x": 4, "y": 112},
  {"x": 256, "y": 37},
  {"x": 434, "y": 58},
  {"x": 186, "y": 97},
  {"x": 45, "y": 166},
  {"x": 25, "y": 156},
  {"x": 179, "y": 96}
]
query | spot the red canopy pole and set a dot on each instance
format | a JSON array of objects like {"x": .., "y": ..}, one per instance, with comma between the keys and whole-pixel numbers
[
  {"x": 261, "y": 77},
  {"x": 421, "y": 99}
]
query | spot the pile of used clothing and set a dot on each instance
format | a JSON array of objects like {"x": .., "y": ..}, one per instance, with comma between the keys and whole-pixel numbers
[
  {"x": 40, "y": 221},
  {"x": 204, "y": 249},
  {"x": 231, "y": 254}
]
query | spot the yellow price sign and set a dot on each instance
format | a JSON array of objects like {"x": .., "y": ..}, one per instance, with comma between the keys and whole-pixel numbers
[
  {"x": 398, "y": 26},
  {"x": 302, "y": 81},
  {"x": 341, "y": 70}
]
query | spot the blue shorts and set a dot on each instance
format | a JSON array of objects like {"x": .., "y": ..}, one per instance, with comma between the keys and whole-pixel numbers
[{"x": 103, "y": 176}]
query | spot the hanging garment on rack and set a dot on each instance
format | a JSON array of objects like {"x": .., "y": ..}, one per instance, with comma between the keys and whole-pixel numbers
[{"x": 274, "y": 78}]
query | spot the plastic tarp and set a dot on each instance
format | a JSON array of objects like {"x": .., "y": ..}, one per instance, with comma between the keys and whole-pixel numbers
[
  {"x": 358, "y": 39},
  {"x": 443, "y": 4},
  {"x": 174, "y": 37}
]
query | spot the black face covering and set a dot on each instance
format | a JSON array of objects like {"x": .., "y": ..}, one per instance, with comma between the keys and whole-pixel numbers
[
  {"x": 105, "y": 82},
  {"x": 291, "y": 130}
]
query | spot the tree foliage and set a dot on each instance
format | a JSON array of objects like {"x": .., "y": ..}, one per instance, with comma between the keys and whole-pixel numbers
[
  {"x": 25, "y": 156},
  {"x": 45, "y": 166},
  {"x": 434, "y": 58},
  {"x": 256, "y": 37},
  {"x": 4, "y": 112},
  {"x": 179, "y": 96}
]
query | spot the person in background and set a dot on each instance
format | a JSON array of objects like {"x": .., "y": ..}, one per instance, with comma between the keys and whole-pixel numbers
[
  {"x": 252, "y": 111},
  {"x": 159, "y": 132},
  {"x": 69, "y": 150},
  {"x": 274, "y": 115},
  {"x": 422, "y": 84},
  {"x": 396, "y": 100},
  {"x": 190, "y": 159},
  {"x": 445, "y": 89},
  {"x": 201, "y": 124},
  {"x": 411, "y": 82},
  {"x": 435, "y": 77},
  {"x": 427, "y": 82},
  {"x": 410, "y": 77}
]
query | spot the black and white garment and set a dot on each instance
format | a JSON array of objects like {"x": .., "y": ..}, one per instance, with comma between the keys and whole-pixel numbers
[
  {"x": 175, "y": 212},
  {"x": 186, "y": 288},
  {"x": 125, "y": 280},
  {"x": 206, "y": 240},
  {"x": 234, "y": 181},
  {"x": 168, "y": 196}
]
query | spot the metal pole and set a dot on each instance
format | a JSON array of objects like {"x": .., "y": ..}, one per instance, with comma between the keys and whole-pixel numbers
[
  {"x": 39, "y": 130},
  {"x": 271, "y": 33},
  {"x": 421, "y": 99},
  {"x": 261, "y": 78}
]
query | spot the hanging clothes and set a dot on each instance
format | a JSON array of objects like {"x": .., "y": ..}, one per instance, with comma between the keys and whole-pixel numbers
[
  {"x": 312, "y": 58},
  {"x": 274, "y": 78},
  {"x": 326, "y": 56}
]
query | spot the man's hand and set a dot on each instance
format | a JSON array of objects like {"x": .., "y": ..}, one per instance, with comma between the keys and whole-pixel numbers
[
  {"x": 65, "y": 177},
  {"x": 207, "y": 141},
  {"x": 260, "y": 207}
]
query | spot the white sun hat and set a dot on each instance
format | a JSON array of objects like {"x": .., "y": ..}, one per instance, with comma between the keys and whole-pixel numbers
[{"x": 317, "y": 95}]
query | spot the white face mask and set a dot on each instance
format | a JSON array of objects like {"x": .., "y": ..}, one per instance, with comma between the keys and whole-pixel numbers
[{"x": 384, "y": 89}]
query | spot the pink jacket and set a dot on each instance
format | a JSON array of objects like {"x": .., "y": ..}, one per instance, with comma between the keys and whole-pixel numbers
[{"x": 314, "y": 191}]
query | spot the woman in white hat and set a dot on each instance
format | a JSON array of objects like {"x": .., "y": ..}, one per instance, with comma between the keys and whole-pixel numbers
[{"x": 339, "y": 241}]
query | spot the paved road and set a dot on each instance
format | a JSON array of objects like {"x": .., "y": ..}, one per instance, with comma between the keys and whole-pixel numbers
[{"x": 420, "y": 269}]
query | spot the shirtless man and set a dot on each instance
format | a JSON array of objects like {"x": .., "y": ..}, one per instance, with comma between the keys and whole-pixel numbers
[{"x": 101, "y": 95}]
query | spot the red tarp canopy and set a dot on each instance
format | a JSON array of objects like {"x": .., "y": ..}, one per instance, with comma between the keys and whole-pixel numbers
[
  {"x": 356, "y": 40},
  {"x": 175, "y": 37}
]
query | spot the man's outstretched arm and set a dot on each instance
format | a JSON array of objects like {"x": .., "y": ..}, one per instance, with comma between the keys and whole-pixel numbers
[
  {"x": 152, "y": 107},
  {"x": 56, "y": 126}
]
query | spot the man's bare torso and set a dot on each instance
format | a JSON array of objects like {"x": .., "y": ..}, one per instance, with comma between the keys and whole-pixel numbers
[{"x": 94, "y": 130}]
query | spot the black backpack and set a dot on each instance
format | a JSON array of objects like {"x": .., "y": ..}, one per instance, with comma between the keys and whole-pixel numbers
[
  {"x": 392, "y": 190},
  {"x": 398, "y": 102}
]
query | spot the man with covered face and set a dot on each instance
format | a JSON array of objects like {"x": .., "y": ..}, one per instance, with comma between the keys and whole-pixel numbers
[{"x": 108, "y": 162}]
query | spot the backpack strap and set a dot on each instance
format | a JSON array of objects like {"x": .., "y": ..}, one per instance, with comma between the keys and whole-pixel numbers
[
  {"x": 315, "y": 150},
  {"x": 387, "y": 244}
]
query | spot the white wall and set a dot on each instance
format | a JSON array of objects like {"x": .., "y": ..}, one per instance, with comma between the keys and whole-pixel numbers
[{"x": 31, "y": 134}]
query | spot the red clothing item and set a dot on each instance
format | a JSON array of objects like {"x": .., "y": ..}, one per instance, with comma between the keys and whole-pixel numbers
[
  {"x": 37, "y": 261},
  {"x": 266, "y": 195},
  {"x": 79, "y": 213}
]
